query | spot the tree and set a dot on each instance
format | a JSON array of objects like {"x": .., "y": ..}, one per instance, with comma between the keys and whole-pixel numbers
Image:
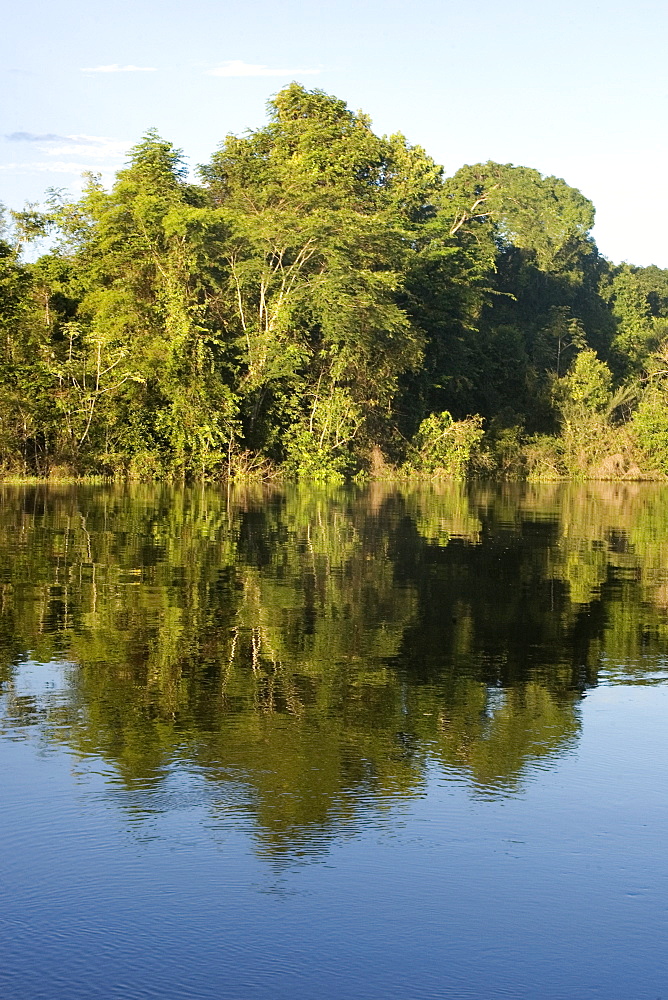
[
  {"x": 320, "y": 213},
  {"x": 146, "y": 349},
  {"x": 638, "y": 300},
  {"x": 537, "y": 272}
]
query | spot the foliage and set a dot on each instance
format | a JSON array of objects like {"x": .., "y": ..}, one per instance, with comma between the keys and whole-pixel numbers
[
  {"x": 650, "y": 425},
  {"x": 443, "y": 447},
  {"x": 588, "y": 385},
  {"x": 541, "y": 215},
  {"x": 591, "y": 443},
  {"x": 320, "y": 296},
  {"x": 318, "y": 449},
  {"x": 638, "y": 300}
]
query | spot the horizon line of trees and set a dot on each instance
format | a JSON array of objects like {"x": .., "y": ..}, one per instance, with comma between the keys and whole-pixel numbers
[{"x": 324, "y": 302}]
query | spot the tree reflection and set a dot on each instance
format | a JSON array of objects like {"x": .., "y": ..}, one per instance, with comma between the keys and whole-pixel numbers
[{"x": 310, "y": 653}]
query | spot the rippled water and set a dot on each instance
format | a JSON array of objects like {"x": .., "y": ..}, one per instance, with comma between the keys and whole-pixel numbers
[{"x": 359, "y": 744}]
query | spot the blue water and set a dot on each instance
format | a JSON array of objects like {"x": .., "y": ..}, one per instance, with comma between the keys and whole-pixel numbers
[
  {"x": 228, "y": 869},
  {"x": 559, "y": 891}
]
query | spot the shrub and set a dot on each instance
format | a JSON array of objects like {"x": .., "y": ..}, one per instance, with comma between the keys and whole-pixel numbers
[
  {"x": 443, "y": 448},
  {"x": 650, "y": 425}
]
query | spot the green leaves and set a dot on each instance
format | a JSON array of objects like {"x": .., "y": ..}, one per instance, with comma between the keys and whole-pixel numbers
[
  {"x": 589, "y": 382},
  {"x": 324, "y": 292},
  {"x": 443, "y": 447},
  {"x": 540, "y": 214}
]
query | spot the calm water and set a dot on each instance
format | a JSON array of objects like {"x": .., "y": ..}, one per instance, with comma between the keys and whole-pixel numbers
[{"x": 357, "y": 745}]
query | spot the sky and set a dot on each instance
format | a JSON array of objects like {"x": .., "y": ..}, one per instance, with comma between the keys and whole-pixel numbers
[{"x": 574, "y": 89}]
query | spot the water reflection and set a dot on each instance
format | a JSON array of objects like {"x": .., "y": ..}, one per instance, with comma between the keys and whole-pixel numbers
[{"x": 303, "y": 658}]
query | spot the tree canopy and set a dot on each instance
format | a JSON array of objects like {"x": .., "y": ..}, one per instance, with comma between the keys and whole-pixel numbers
[{"x": 319, "y": 302}]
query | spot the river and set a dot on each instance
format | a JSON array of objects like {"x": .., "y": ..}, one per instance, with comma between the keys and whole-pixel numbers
[{"x": 363, "y": 744}]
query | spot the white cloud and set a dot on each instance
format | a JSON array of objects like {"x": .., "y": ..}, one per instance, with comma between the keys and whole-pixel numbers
[
  {"x": 115, "y": 68},
  {"x": 36, "y": 137},
  {"x": 70, "y": 154},
  {"x": 57, "y": 167},
  {"x": 97, "y": 146},
  {"x": 235, "y": 67}
]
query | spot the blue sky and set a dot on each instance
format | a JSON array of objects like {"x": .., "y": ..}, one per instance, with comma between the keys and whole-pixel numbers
[{"x": 576, "y": 89}]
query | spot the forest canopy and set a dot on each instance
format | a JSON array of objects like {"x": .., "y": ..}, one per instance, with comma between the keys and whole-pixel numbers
[{"x": 325, "y": 303}]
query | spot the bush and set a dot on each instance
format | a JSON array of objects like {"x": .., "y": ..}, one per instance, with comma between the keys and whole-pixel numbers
[
  {"x": 443, "y": 448},
  {"x": 650, "y": 425},
  {"x": 319, "y": 447},
  {"x": 589, "y": 382}
]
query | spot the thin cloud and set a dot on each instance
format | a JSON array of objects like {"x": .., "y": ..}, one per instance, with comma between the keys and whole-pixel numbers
[
  {"x": 235, "y": 67},
  {"x": 37, "y": 137},
  {"x": 59, "y": 167},
  {"x": 69, "y": 154},
  {"x": 97, "y": 146},
  {"x": 115, "y": 68}
]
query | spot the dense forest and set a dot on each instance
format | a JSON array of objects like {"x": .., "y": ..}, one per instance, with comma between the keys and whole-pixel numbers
[{"x": 324, "y": 304}]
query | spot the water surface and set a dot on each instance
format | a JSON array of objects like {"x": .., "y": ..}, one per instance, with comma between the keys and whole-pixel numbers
[{"x": 373, "y": 744}]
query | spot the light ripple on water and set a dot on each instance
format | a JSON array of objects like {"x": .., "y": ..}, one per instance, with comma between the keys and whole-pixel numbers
[{"x": 405, "y": 745}]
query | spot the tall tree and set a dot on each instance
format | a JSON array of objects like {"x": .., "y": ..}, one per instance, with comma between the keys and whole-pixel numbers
[
  {"x": 320, "y": 214},
  {"x": 528, "y": 277}
]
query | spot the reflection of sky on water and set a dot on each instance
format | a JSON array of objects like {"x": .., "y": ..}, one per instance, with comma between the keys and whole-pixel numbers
[
  {"x": 556, "y": 892},
  {"x": 336, "y": 756},
  {"x": 33, "y": 680},
  {"x": 650, "y": 669}
]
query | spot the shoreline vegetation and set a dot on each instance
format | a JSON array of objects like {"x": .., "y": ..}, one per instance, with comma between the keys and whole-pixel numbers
[
  {"x": 391, "y": 478},
  {"x": 324, "y": 304}
]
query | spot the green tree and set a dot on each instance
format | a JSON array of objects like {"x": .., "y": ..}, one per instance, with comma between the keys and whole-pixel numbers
[
  {"x": 515, "y": 286},
  {"x": 638, "y": 300},
  {"x": 147, "y": 377},
  {"x": 320, "y": 214}
]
